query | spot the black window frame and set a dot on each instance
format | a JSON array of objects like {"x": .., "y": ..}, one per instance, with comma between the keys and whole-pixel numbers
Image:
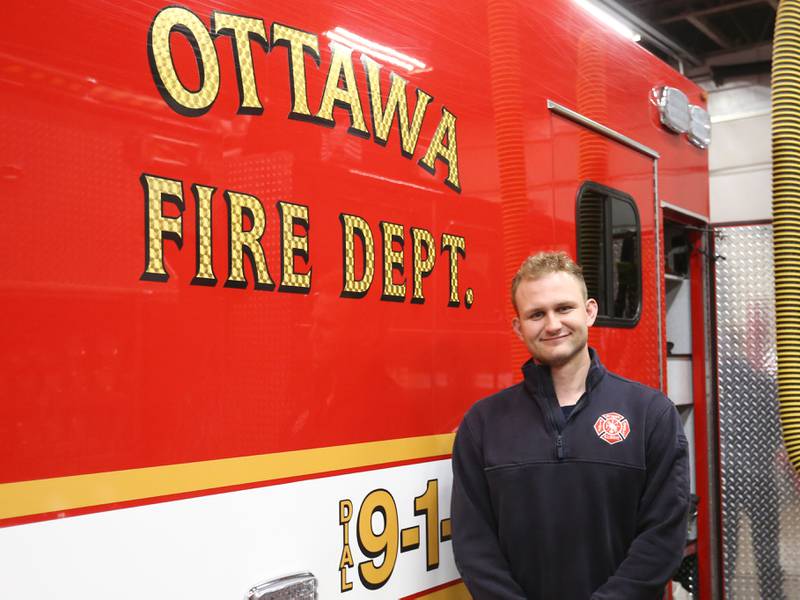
[{"x": 608, "y": 267}]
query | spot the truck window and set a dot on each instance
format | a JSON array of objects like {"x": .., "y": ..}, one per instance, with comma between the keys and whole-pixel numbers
[{"x": 609, "y": 250}]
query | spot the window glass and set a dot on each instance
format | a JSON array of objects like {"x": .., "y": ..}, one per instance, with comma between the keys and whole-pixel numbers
[
  {"x": 609, "y": 250},
  {"x": 625, "y": 241},
  {"x": 591, "y": 221}
]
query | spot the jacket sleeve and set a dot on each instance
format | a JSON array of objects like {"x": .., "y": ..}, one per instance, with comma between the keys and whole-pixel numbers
[
  {"x": 478, "y": 556},
  {"x": 657, "y": 549}
]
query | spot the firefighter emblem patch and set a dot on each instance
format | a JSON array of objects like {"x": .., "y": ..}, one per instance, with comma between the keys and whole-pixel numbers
[{"x": 612, "y": 428}]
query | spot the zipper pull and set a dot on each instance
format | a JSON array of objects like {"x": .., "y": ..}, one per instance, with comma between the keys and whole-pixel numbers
[{"x": 559, "y": 447}]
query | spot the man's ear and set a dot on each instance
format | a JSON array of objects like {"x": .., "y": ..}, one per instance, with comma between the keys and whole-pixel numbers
[
  {"x": 517, "y": 327},
  {"x": 591, "y": 311}
]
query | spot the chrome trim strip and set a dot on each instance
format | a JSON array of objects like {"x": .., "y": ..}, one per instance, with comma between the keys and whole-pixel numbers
[
  {"x": 601, "y": 129},
  {"x": 659, "y": 277},
  {"x": 713, "y": 493},
  {"x": 683, "y": 211}
]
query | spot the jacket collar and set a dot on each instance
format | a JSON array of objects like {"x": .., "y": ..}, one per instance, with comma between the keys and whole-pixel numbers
[{"x": 539, "y": 383}]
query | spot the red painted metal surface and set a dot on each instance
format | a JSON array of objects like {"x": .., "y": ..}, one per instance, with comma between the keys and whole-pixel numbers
[
  {"x": 104, "y": 371},
  {"x": 702, "y": 443},
  {"x": 701, "y": 467}
]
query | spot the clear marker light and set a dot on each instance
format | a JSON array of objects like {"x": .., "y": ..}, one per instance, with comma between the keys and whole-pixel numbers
[
  {"x": 673, "y": 107},
  {"x": 699, "y": 132},
  {"x": 300, "y": 586},
  {"x": 606, "y": 18}
]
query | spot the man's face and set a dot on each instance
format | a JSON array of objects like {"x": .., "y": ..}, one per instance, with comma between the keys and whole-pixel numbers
[{"x": 553, "y": 318}]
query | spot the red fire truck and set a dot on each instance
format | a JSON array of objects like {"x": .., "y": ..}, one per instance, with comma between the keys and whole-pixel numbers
[{"x": 255, "y": 261}]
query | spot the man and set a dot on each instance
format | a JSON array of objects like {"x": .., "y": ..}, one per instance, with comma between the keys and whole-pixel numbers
[{"x": 572, "y": 485}]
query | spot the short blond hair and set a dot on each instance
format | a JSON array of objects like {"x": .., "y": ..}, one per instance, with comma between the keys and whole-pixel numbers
[{"x": 545, "y": 263}]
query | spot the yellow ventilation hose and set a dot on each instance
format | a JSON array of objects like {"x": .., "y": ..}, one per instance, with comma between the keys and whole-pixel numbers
[{"x": 786, "y": 217}]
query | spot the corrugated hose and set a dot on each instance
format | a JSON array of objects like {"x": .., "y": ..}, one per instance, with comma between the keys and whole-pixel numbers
[{"x": 786, "y": 217}]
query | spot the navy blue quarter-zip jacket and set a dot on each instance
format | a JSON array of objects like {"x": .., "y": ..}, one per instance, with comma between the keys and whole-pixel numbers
[{"x": 592, "y": 507}]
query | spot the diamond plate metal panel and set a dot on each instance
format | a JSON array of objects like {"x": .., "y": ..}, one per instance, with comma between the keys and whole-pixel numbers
[{"x": 760, "y": 500}]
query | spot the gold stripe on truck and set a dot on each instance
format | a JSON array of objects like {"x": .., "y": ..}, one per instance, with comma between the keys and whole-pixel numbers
[
  {"x": 40, "y": 496},
  {"x": 453, "y": 592}
]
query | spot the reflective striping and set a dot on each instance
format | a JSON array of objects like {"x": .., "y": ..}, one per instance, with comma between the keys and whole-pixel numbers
[
  {"x": 79, "y": 491},
  {"x": 455, "y": 590},
  {"x": 220, "y": 545}
]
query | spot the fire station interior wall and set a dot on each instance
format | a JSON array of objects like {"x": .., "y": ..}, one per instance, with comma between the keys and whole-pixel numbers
[{"x": 739, "y": 157}]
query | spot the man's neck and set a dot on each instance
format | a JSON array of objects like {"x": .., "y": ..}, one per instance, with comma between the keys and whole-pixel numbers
[{"x": 569, "y": 380}]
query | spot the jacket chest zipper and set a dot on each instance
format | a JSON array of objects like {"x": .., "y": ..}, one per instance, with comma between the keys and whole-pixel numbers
[
  {"x": 559, "y": 437},
  {"x": 560, "y": 432},
  {"x": 578, "y": 407},
  {"x": 551, "y": 417}
]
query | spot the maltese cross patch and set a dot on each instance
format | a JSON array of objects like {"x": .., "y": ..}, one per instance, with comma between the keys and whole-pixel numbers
[{"x": 612, "y": 428}]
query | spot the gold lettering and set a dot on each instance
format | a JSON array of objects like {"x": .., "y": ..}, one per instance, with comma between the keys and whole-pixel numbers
[
  {"x": 347, "y": 558},
  {"x": 158, "y": 190},
  {"x": 345, "y": 514},
  {"x": 423, "y": 241},
  {"x": 293, "y": 245},
  {"x": 242, "y": 30},
  {"x": 381, "y": 546},
  {"x": 448, "y": 154},
  {"x": 356, "y": 227},
  {"x": 246, "y": 241},
  {"x": 396, "y": 103},
  {"x": 341, "y": 71},
  {"x": 205, "y": 268},
  {"x": 392, "y": 260},
  {"x": 299, "y": 43},
  {"x": 181, "y": 99},
  {"x": 454, "y": 245},
  {"x": 428, "y": 504}
]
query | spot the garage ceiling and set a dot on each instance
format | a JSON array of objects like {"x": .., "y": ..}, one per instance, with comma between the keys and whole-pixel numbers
[{"x": 721, "y": 39}]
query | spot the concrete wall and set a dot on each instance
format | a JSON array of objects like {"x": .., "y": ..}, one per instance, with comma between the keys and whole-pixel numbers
[{"x": 740, "y": 153}]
